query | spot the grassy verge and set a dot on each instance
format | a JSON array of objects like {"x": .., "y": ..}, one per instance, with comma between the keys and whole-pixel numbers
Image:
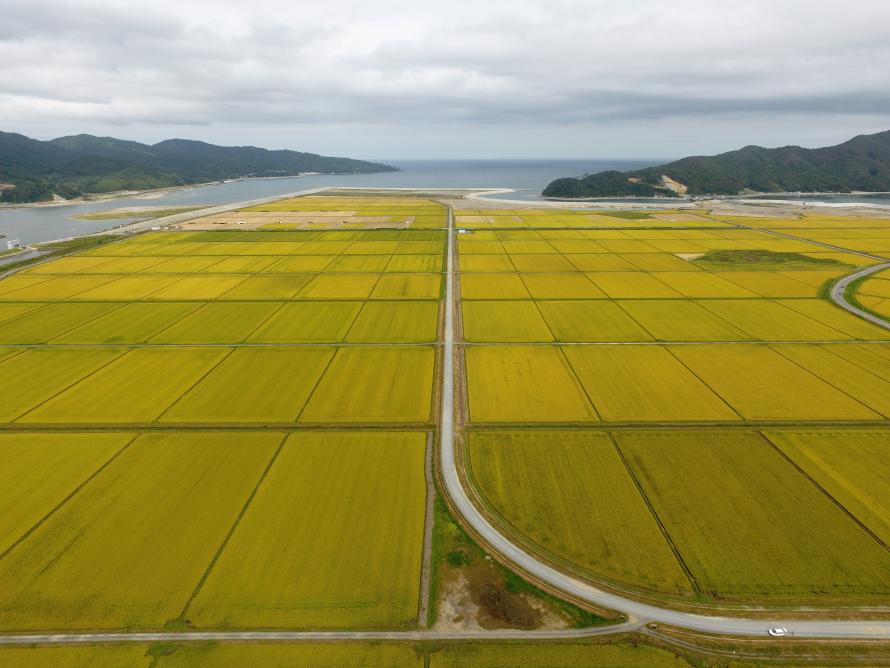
[
  {"x": 145, "y": 214},
  {"x": 58, "y": 248},
  {"x": 763, "y": 259},
  {"x": 504, "y": 599},
  {"x": 850, "y": 296},
  {"x": 707, "y": 650},
  {"x": 626, "y": 215}
]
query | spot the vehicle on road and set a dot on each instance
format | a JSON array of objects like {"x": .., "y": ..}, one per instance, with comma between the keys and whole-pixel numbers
[{"x": 778, "y": 632}]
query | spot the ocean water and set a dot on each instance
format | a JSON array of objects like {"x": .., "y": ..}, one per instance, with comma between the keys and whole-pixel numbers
[{"x": 527, "y": 177}]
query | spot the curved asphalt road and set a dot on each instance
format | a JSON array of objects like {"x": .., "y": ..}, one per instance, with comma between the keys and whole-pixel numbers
[
  {"x": 839, "y": 288},
  {"x": 638, "y": 613},
  {"x": 635, "y": 610}
]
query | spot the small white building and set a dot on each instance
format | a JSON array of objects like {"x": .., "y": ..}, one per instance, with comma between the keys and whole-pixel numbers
[{"x": 12, "y": 244}]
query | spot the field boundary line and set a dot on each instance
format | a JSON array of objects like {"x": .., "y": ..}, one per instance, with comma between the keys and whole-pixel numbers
[
  {"x": 824, "y": 491},
  {"x": 844, "y": 359},
  {"x": 541, "y": 552},
  {"x": 133, "y": 346},
  {"x": 264, "y": 321},
  {"x": 343, "y": 339},
  {"x": 379, "y": 274},
  {"x": 318, "y": 380},
  {"x": 232, "y": 529},
  {"x": 703, "y": 382},
  {"x": 693, "y": 581},
  {"x": 617, "y": 302},
  {"x": 830, "y": 383},
  {"x": 73, "y": 493},
  {"x": 78, "y": 638},
  {"x": 83, "y": 324},
  {"x": 201, "y": 306},
  {"x": 13, "y": 355},
  {"x": 778, "y": 302},
  {"x": 562, "y": 356},
  {"x": 662, "y": 342},
  {"x": 546, "y": 322},
  {"x": 72, "y": 384},
  {"x": 833, "y": 247},
  {"x": 429, "y": 519},
  {"x": 178, "y": 320},
  {"x": 191, "y": 387},
  {"x": 53, "y": 427}
]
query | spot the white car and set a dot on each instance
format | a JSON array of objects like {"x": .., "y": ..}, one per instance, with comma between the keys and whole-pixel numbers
[{"x": 778, "y": 632}]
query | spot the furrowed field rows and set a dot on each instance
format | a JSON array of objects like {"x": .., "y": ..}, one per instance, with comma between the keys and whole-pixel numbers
[
  {"x": 41, "y": 470},
  {"x": 93, "y": 564},
  {"x": 540, "y": 483},
  {"x": 851, "y": 466},
  {"x": 218, "y": 384},
  {"x": 253, "y": 385},
  {"x": 689, "y": 383},
  {"x": 136, "y": 387},
  {"x": 282, "y": 656},
  {"x": 332, "y": 655},
  {"x": 33, "y": 376},
  {"x": 513, "y": 384},
  {"x": 561, "y": 655},
  {"x": 67, "y": 656},
  {"x": 747, "y": 524},
  {"x": 95, "y": 561},
  {"x": 349, "y": 508}
]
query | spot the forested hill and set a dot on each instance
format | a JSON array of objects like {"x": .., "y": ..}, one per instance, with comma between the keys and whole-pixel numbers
[
  {"x": 861, "y": 164},
  {"x": 32, "y": 170}
]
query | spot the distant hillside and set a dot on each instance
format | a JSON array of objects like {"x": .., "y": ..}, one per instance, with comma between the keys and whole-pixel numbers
[
  {"x": 32, "y": 170},
  {"x": 861, "y": 164}
]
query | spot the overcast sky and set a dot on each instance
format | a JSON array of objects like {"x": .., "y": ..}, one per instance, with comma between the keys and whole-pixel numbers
[{"x": 460, "y": 78}]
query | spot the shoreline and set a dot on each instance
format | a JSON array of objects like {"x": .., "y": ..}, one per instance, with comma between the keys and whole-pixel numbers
[
  {"x": 476, "y": 197},
  {"x": 92, "y": 198},
  {"x": 756, "y": 197}
]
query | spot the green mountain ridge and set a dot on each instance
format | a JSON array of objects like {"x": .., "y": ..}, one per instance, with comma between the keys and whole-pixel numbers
[
  {"x": 32, "y": 170},
  {"x": 860, "y": 164}
]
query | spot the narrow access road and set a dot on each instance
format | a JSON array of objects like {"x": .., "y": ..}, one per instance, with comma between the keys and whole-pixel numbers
[
  {"x": 839, "y": 297},
  {"x": 638, "y": 613},
  {"x": 29, "y": 254},
  {"x": 304, "y": 636},
  {"x": 635, "y": 610}
]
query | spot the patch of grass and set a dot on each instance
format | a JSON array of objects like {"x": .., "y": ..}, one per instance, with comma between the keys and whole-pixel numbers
[
  {"x": 626, "y": 215},
  {"x": 58, "y": 248},
  {"x": 501, "y": 594},
  {"x": 80, "y": 243},
  {"x": 763, "y": 258},
  {"x": 160, "y": 649},
  {"x": 348, "y": 507},
  {"x": 561, "y": 491},
  {"x": 851, "y": 292},
  {"x": 126, "y": 214}
]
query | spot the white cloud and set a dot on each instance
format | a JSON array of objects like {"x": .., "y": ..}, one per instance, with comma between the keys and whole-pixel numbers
[{"x": 328, "y": 70}]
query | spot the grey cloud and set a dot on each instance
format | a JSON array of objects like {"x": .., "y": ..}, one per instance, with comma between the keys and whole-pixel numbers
[{"x": 497, "y": 63}]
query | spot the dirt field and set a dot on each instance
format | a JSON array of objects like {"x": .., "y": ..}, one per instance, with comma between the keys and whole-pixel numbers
[{"x": 298, "y": 220}]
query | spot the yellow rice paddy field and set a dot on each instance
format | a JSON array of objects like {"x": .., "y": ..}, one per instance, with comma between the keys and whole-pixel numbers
[
  {"x": 693, "y": 326},
  {"x": 354, "y": 571},
  {"x": 709, "y": 515},
  {"x": 226, "y": 425},
  {"x": 176, "y": 403},
  {"x": 331, "y": 655}
]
